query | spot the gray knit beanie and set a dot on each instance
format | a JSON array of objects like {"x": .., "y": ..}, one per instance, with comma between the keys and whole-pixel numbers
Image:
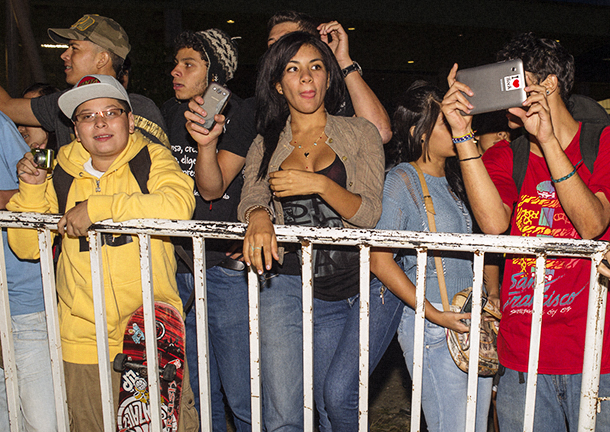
[{"x": 221, "y": 53}]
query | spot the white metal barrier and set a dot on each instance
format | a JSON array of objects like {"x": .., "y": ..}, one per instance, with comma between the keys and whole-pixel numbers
[{"x": 364, "y": 239}]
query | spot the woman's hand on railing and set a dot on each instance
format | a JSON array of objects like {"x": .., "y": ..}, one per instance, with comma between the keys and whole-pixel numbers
[
  {"x": 29, "y": 172},
  {"x": 260, "y": 243}
]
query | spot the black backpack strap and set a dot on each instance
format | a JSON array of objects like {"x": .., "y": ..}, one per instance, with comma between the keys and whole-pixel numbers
[
  {"x": 590, "y": 134},
  {"x": 140, "y": 168},
  {"x": 62, "y": 181},
  {"x": 521, "y": 155}
]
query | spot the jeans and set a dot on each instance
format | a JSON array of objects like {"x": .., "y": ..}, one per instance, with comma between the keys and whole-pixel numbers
[
  {"x": 445, "y": 386},
  {"x": 34, "y": 376},
  {"x": 336, "y": 351},
  {"x": 557, "y": 402},
  {"x": 229, "y": 352},
  {"x": 281, "y": 335},
  {"x": 336, "y": 345}
]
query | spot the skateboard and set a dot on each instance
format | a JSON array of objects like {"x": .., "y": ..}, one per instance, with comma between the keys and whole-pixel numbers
[{"x": 134, "y": 405}]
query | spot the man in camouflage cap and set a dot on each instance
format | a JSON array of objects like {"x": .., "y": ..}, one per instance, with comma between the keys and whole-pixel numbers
[
  {"x": 97, "y": 45},
  {"x": 102, "y": 31}
]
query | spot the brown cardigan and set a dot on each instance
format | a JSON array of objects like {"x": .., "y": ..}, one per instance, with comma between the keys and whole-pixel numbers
[{"x": 357, "y": 143}]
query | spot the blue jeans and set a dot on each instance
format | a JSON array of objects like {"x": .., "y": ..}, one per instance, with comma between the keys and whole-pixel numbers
[
  {"x": 281, "y": 335},
  {"x": 336, "y": 348},
  {"x": 33, "y": 373},
  {"x": 336, "y": 351},
  {"x": 557, "y": 402},
  {"x": 229, "y": 355},
  {"x": 445, "y": 386}
]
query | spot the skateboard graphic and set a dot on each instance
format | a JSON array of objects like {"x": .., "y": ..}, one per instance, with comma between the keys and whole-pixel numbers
[{"x": 134, "y": 405}]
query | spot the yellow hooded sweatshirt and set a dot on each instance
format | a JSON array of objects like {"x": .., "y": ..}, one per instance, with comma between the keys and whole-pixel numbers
[{"x": 116, "y": 196}]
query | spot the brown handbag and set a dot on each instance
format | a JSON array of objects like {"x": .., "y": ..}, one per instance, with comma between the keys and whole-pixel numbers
[{"x": 459, "y": 343}]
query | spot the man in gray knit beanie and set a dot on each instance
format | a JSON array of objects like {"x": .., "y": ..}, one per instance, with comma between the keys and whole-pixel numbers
[{"x": 203, "y": 58}]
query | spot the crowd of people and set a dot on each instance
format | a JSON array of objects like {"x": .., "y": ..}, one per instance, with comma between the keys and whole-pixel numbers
[{"x": 313, "y": 147}]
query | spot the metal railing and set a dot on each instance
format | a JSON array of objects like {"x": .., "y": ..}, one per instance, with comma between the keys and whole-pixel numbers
[{"x": 479, "y": 245}]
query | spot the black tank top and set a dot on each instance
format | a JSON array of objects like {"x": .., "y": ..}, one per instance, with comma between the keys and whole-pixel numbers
[{"x": 335, "y": 267}]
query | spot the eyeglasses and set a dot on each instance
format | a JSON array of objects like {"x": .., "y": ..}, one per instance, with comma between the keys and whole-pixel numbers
[{"x": 109, "y": 114}]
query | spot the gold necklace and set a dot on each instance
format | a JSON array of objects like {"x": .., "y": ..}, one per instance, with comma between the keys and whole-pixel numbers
[{"x": 315, "y": 143}]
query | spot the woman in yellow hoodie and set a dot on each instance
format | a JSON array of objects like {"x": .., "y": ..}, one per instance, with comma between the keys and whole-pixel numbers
[{"x": 103, "y": 188}]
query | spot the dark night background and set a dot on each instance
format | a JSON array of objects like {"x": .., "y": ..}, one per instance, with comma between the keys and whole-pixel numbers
[{"x": 396, "y": 42}]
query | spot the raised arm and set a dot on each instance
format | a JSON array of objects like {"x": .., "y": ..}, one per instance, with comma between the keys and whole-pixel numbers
[
  {"x": 214, "y": 170},
  {"x": 589, "y": 212},
  {"x": 492, "y": 215},
  {"x": 19, "y": 110},
  {"x": 366, "y": 104}
]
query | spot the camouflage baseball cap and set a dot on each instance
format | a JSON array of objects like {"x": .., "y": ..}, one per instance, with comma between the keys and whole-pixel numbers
[{"x": 100, "y": 30}]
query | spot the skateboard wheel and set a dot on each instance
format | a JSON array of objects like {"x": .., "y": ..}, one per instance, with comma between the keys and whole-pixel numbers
[
  {"x": 169, "y": 373},
  {"x": 119, "y": 362}
]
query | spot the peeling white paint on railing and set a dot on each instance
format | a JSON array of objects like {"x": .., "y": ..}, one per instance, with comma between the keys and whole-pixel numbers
[{"x": 307, "y": 236}]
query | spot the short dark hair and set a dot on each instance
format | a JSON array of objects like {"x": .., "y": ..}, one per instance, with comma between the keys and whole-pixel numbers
[
  {"x": 117, "y": 63},
  {"x": 188, "y": 39},
  {"x": 271, "y": 107},
  {"x": 42, "y": 89},
  {"x": 542, "y": 57},
  {"x": 305, "y": 22},
  {"x": 125, "y": 69}
]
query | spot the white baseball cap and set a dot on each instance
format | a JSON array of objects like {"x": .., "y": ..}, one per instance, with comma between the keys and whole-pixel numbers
[{"x": 92, "y": 87}]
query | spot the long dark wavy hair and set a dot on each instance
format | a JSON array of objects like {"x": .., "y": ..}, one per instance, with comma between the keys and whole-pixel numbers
[
  {"x": 271, "y": 107},
  {"x": 412, "y": 125}
]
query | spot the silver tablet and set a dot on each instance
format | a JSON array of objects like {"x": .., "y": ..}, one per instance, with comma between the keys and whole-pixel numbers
[{"x": 495, "y": 86}]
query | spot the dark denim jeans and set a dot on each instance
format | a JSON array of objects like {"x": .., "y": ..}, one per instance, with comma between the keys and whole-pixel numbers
[
  {"x": 227, "y": 297},
  {"x": 336, "y": 345},
  {"x": 336, "y": 350}
]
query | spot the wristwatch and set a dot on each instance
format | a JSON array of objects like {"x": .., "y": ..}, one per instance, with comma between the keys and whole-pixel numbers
[{"x": 351, "y": 68}]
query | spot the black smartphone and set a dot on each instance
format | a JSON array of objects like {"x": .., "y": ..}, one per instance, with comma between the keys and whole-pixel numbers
[
  {"x": 467, "y": 307},
  {"x": 215, "y": 100}
]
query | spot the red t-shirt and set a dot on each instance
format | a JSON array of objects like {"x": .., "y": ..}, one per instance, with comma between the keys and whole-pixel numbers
[{"x": 538, "y": 212}]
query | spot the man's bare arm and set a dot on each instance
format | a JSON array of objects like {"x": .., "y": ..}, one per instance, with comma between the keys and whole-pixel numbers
[
  {"x": 19, "y": 110},
  {"x": 214, "y": 173},
  {"x": 214, "y": 170}
]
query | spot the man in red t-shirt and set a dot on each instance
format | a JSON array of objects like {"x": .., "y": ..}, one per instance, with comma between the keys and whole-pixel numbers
[{"x": 560, "y": 198}]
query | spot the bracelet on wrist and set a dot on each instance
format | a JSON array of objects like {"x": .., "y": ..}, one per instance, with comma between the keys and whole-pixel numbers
[
  {"x": 464, "y": 138},
  {"x": 471, "y": 158},
  {"x": 567, "y": 176},
  {"x": 257, "y": 207}
]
